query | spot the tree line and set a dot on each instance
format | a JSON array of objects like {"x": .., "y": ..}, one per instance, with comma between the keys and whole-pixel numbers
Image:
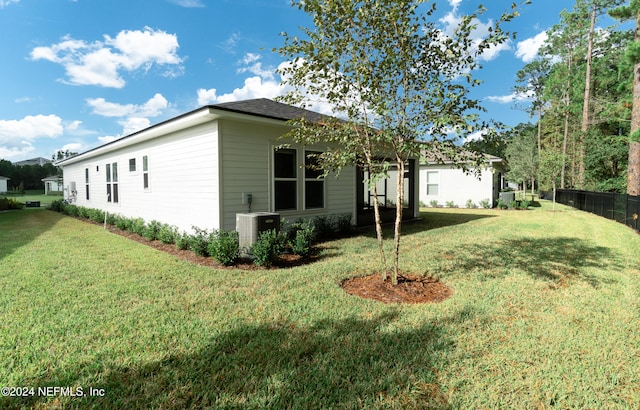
[
  {"x": 579, "y": 92},
  {"x": 29, "y": 177}
]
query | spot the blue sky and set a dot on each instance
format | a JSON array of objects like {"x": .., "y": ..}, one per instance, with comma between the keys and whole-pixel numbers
[{"x": 75, "y": 74}]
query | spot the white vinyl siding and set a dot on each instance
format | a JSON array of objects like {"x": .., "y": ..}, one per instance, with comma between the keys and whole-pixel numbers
[
  {"x": 184, "y": 173},
  {"x": 454, "y": 185},
  {"x": 247, "y": 167}
]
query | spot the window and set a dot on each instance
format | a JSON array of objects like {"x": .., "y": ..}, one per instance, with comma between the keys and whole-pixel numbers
[
  {"x": 313, "y": 181},
  {"x": 145, "y": 172},
  {"x": 132, "y": 165},
  {"x": 86, "y": 181},
  {"x": 112, "y": 182},
  {"x": 433, "y": 181},
  {"x": 285, "y": 179}
]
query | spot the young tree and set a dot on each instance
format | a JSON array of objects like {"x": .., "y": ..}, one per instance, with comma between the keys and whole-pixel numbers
[
  {"x": 550, "y": 169},
  {"x": 522, "y": 155},
  {"x": 394, "y": 76}
]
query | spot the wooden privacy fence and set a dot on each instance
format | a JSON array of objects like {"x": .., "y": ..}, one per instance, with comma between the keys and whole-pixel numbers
[{"x": 622, "y": 208}]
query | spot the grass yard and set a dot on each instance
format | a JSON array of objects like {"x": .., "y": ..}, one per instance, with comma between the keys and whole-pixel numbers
[
  {"x": 33, "y": 195},
  {"x": 545, "y": 313}
]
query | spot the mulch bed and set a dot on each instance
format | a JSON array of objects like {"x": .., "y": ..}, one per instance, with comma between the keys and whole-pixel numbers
[
  {"x": 410, "y": 289},
  {"x": 283, "y": 261}
]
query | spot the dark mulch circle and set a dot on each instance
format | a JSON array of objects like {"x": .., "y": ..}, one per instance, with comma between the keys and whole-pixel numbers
[{"x": 410, "y": 289}]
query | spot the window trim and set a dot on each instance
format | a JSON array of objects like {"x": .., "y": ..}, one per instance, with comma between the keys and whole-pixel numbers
[
  {"x": 293, "y": 179},
  {"x": 146, "y": 183},
  {"x": 435, "y": 183},
  {"x": 86, "y": 182},
  {"x": 315, "y": 178},
  {"x": 113, "y": 194}
]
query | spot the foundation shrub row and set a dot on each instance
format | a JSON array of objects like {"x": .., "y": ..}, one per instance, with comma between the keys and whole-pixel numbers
[{"x": 298, "y": 237}]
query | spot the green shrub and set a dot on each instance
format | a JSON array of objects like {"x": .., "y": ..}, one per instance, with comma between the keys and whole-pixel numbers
[
  {"x": 224, "y": 246},
  {"x": 512, "y": 204},
  {"x": 167, "y": 233},
  {"x": 57, "y": 205},
  {"x": 302, "y": 243},
  {"x": 450, "y": 204},
  {"x": 151, "y": 230},
  {"x": 137, "y": 226},
  {"x": 182, "y": 240},
  {"x": 83, "y": 212},
  {"x": 485, "y": 203},
  {"x": 10, "y": 203},
  {"x": 267, "y": 247},
  {"x": 199, "y": 241},
  {"x": 71, "y": 210},
  {"x": 122, "y": 222},
  {"x": 322, "y": 226},
  {"x": 97, "y": 215},
  {"x": 524, "y": 204},
  {"x": 471, "y": 204},
  {"x": 501, "y": 204},
  {"x": 340, "y": 224}
]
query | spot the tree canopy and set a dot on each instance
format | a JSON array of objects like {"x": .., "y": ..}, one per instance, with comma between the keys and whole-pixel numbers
[{"x": 399, "y": 83}]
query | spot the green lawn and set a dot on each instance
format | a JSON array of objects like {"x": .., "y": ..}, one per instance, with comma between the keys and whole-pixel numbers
[
  {"x": 33, "y": 195},
  {"x": 545, "y": 313}
]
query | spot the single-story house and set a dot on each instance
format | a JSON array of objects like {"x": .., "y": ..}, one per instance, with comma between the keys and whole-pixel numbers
[
  {"x": 3, "y": 184},
  {"x": 204, "y": 167},
  {"x": 444, "y": 182},
  {"x": 52, "y": 184}
]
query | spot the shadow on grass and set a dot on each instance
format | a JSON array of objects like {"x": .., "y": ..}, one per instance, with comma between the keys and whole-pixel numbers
[
  {"x": 342, "y": 363},
  {"x": 429, "y": 220},
  {"x": 555, "y": 259},
  {"x": 19, "y": 227}
]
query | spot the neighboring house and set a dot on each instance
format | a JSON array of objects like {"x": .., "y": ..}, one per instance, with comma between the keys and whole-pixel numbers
[
  {"x": 444, "y": 182},
  {"x": 52, "y": 184},
  {"x": 3, "y": 184},
  {"x": 204, "y": 167},
  {"x": 33, "y": 161}
]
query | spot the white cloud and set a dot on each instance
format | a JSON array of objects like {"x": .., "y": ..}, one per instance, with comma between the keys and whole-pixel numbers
[
  {"x": 188, "y": 3},
  {"x": 4, "y": 3},
  {"x": 253, "y": 65},
  {"x": 262, "y": 85},
  {"x": 475, "y": 136},
  {"x": 16, "y": 136},
  {"x": 507, "y": 99},
  {"x": 134, "y": 124},
  {"x": 102, "y": 63},
  {"x": 482, "y": 30},
  {"x": 229, "y": 45},
  {"x": 108, "y": 138},
  {"x": 133, "y": 118},
  {"x": 152, "y": 108},
  {"x": 527, "y": 50}
]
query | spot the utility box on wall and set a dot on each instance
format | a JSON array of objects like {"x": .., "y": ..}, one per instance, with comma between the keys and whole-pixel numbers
[{"x": 250, "y": 225}]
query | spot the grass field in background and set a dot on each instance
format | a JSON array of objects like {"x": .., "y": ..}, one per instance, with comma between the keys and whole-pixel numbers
[
  {"x": 32, "y": 195},
  {"x": 545, "y": 313}
]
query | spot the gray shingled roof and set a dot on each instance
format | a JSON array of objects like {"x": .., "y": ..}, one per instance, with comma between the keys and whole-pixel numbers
[{"x": 264, "y": 107}]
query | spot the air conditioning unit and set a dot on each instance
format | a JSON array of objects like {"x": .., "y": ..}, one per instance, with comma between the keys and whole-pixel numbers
[{"x": 250, "y": 225}]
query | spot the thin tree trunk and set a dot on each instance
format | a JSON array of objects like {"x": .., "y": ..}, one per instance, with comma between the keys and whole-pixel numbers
[
  {"x": 582, "y": 151},
  {"x": 566, "y": 124},
  {"x": 539, "y": 130},
  {"x": 399, "y": 209}
]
